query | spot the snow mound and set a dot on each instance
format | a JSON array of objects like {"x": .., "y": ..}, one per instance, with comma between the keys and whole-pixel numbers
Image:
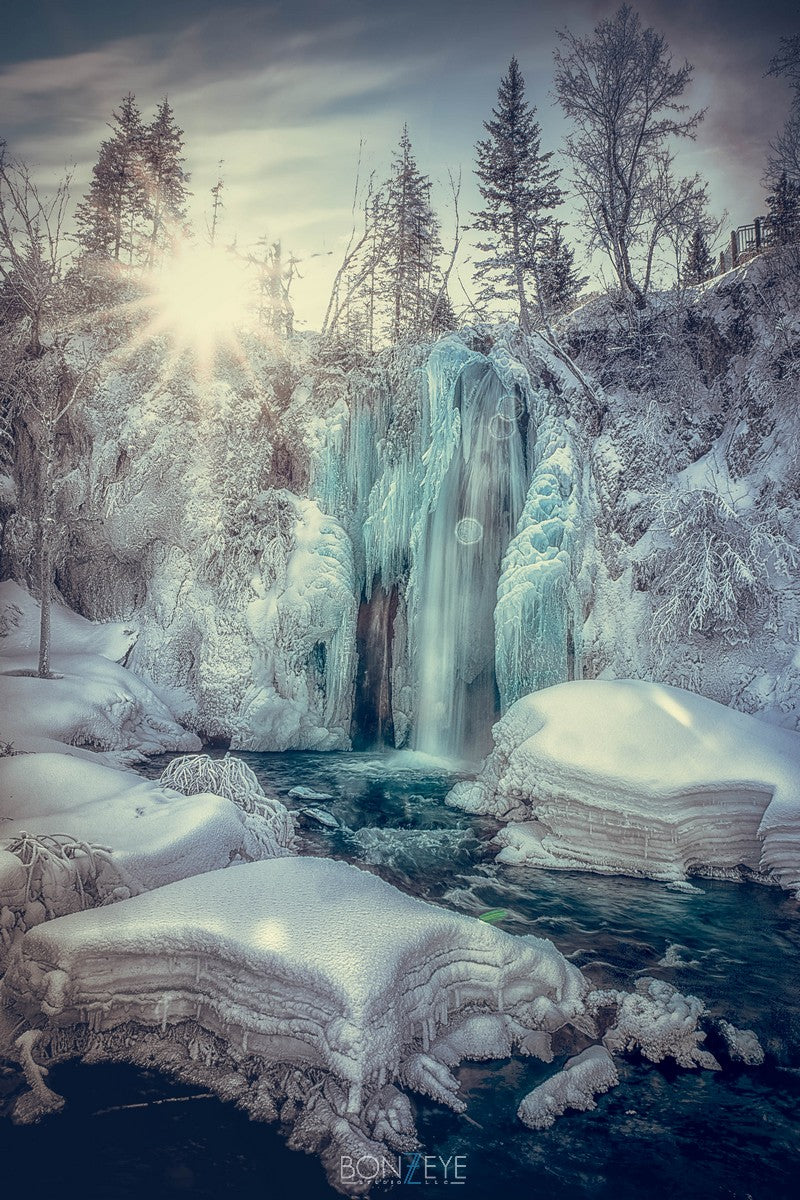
[
  {"x": 585, "y": 1076},
  {"x": 70, "y": 633},
  {"x": 639, "y": 778},
  {"x": 154, "y": 834},
  {"x": 276, "y": 986},
  {"x": 94, "y": 702}
]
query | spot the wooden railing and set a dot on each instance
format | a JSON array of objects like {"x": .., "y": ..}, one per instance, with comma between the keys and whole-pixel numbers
[{"x": 747, "y": 241}]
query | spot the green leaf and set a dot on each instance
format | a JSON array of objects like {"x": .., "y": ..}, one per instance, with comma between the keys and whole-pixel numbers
[{"x": 492, "y": 915}]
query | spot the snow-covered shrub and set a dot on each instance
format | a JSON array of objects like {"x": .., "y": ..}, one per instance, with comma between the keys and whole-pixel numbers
[
  {"x": 711, "y": 577},
  {"x": 64, "y": 874},
  {"x": 231, "y": 778}
]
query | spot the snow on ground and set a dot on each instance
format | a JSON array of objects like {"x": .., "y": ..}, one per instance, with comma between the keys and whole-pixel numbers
[
  {"x": 642, "y": 779},
  {"x": 154, "y": 834},
  {"x": 95, "y": 702}
]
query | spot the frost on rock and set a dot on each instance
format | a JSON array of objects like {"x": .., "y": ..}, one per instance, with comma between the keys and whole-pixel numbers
[
  {"x": 229, "y": 777},
  {"x": 75, "y": 834},
  {"x": 742, "y": 1044},
  {"x": 583, "y": 1077},
  {"x": 638, "y": 778},
  {"x": 658, "y": 1021},
  {"x": 93, "y": 702},
  {"x": 276, "y": 986}
]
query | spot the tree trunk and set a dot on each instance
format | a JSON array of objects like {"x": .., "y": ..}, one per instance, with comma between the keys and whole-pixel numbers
[{"x": 45, "y": 585}]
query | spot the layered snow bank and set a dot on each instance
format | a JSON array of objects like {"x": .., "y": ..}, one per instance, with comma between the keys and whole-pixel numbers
[
  {"x": 94, "y": 702},
  {"x": 642, "y": 779},
  {"x": 276, "y": 986},
  {"x": 84, "y": 834}
]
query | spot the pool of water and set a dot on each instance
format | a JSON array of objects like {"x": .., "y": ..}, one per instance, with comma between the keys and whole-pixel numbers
[{"x": 664, "y": 1132}]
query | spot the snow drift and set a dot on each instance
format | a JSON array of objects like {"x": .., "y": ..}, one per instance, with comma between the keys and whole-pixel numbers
[
  {"x": 85, "y": 835},
  {"x": 93, "y": 702},
  {"x": 642, "y": 779}
]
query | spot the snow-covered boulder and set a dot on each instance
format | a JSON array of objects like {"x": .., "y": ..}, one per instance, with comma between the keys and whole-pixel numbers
[
  {"x": 638, "y": 778},
  {"x": 582, "y": 1078},
  {"x": 59, "y": 810},
  {"x": 301, "y": 988}
]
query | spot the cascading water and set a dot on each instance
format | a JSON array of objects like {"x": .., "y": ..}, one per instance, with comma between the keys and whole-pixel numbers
[
  {"x": 458, "y": 564},
  {"x": 464, "y": 538}
]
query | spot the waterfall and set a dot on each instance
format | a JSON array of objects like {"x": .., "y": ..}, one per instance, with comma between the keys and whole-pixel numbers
[
  {"x": 458, "y": 558},
  {"x": 465, "y": 532}
]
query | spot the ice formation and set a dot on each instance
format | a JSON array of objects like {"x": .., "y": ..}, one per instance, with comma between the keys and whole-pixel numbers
[
  {"x": 656, "y": 1020},
  {"x": 537, "y": 618},
  {"x": 430, "y": 486},
  {"x": 583, "y": 1077},
  {"x": 642, "y": 779},
  {"x": 275, "y": 985}
]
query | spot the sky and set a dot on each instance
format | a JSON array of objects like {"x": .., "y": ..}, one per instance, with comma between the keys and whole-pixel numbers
[{"x": 285, "y": 92}]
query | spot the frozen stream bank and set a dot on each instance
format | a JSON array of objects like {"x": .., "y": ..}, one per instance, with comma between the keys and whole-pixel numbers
[{"x": 670, "y": 1131}]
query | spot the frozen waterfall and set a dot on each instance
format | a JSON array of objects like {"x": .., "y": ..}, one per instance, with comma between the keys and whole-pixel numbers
[
  {"x": 464, "y": 538},
  {"x": 462, "y": 534}
]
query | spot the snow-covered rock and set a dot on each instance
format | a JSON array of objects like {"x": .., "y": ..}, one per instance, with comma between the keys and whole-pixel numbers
[
  {"x": 641, "y": 779},
  {"x": 300, "y": 988},
  {"x": 582, "y": 1078}
]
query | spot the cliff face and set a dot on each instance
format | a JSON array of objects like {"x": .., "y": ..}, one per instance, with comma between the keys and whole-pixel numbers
[{"x": 272, "y": 530}]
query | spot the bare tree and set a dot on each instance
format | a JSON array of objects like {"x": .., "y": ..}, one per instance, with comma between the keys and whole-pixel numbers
[
  {"x": 32, "y": 245},
  {"x": 624, "y": 98},
  {"x": 40, "y": 385},
  {"x": 46, "y": 390}
]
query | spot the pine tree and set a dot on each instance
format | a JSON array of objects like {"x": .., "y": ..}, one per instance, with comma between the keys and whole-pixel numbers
[
  {"x": 111, "y": 215},
  {"x": 408, "y": 227},
  {"x": 166, "y": 181},
  {"x": 558, "y": 282},
  {"x": 519, "y": 191},
  {"x": 784, "y": 210},
  {"x": 699, "y": 265}
]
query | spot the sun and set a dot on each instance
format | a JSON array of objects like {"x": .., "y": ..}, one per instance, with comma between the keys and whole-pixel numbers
[{"x": 202, "y": 299}]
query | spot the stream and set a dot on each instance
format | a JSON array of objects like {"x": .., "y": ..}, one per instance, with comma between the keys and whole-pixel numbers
[{"x": 664, "y": 1132}]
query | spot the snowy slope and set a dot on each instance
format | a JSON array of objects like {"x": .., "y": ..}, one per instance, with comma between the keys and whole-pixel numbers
[
  {"x": 639, "y": 778},
  {"x": 95, "y": 702}
]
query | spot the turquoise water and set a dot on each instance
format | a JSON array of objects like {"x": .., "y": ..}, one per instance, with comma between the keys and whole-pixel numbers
[{"x": 664, "y": 1132}]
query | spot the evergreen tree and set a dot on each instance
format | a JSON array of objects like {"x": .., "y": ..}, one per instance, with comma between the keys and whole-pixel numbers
[
  {"x": 408, "y": 228},
  {"x": 699, "y": 265},
  {"x": 784, "y": 210},
  {"x": 558, "y": 281},
  {"x": 519, "y": 191},
  {"x": 111, "y": 216},
  {"x": 166, "y": 181}
]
